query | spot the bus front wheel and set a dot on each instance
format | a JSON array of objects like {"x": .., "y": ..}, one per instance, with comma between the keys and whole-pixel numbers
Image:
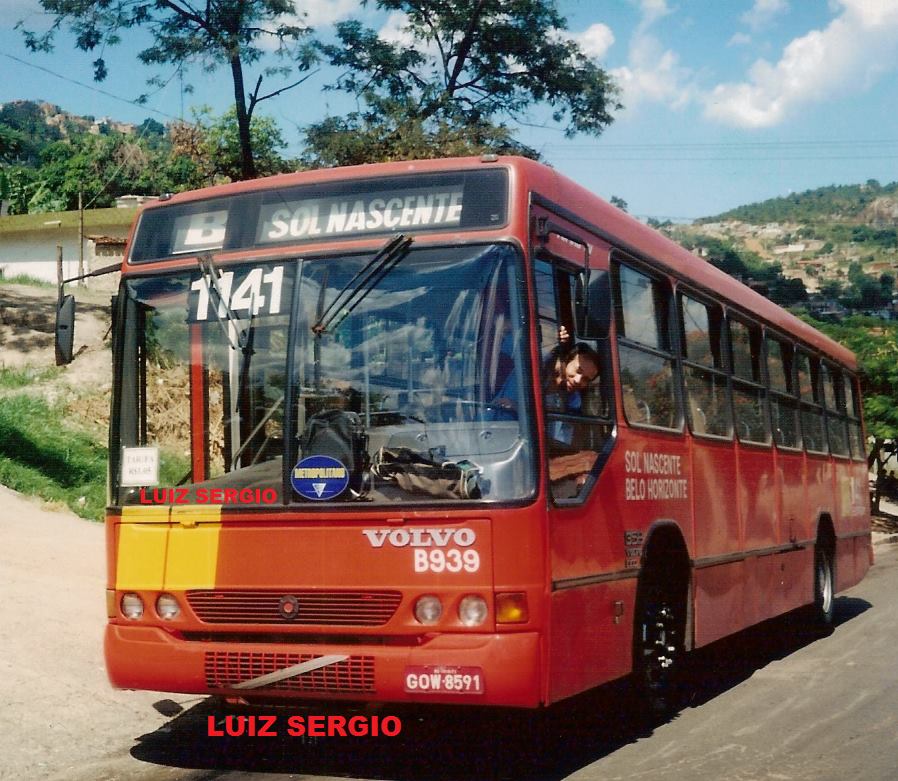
[{"x": 658, "y": 650}]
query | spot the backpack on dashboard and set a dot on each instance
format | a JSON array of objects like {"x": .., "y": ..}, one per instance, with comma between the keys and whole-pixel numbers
[{"x": 341, "y": 435}]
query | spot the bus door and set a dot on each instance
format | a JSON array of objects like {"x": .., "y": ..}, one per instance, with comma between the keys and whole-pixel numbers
[{"x": 572, "y": 297}]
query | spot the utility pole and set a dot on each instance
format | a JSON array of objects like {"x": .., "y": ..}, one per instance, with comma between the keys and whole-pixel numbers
[{"x": 81, "y": 233}]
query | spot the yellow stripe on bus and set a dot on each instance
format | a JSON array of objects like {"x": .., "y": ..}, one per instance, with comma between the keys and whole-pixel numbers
[
  {"x": 168, "y": 548},
  {"x": 141, "y": 555},
  {"x": 192, "y": 559}
]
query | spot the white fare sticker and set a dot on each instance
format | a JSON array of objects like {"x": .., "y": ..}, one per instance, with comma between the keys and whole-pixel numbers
[{"x": 140, "y": 466}]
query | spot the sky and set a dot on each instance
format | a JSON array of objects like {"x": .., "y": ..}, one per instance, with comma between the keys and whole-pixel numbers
[{"x": 726, "y": 102}]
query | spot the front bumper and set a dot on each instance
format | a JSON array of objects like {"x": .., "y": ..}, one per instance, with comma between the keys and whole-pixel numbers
[{"x": 146, "y": 657}]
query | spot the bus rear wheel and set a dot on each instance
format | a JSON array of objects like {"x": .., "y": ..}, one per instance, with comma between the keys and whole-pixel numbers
[{"x": 822, "y": 611}]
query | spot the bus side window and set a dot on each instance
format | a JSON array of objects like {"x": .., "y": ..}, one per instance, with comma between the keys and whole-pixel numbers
[
  {"x": 749, "y": 393},
  {"x": 853, "y": 408},
  {"x": 783, "y": 405},
  {"x": 836, "y": 424},
  {"x": 641, "y": 305},
  {"x": 577, "y": 424},
  {"x": 704, "y": 377},
  {"x": 812, "y": 430}
]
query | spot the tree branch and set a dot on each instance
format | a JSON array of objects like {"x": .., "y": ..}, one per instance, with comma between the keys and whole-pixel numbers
[
  {"x": 465, "y": 47},
  {"x": 428, "y": 20},
  {"x": 254, "y": 100},
  {"x": 192, "y": 15}
]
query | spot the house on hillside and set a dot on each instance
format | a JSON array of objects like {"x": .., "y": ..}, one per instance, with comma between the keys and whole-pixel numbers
[{"x": 29, "y": 242}]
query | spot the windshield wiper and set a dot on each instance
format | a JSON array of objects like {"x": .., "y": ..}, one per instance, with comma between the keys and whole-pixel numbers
[
  {"x": 211, "y": 276},
  {"x": 366, "y": 280}
]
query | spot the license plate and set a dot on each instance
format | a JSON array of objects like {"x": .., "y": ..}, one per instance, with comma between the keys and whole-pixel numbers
[{"x": 441, "y": 679}]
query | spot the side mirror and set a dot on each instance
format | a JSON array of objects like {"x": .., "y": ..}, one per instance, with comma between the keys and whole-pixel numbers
[
  {"x": 65, "y": 330},
  {"x": 593, "y": 305}
]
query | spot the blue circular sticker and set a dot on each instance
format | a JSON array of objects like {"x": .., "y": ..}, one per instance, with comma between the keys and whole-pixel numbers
[{"x": 319, "y": 478}]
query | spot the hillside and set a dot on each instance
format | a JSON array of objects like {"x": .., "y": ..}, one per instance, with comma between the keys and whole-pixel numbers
[
  {"x": 839, "y": 242},
  {"x": 859, "y": 204}
]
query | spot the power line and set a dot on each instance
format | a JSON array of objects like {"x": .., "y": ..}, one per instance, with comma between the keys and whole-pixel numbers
[
  {"x": 89, "y": 86},
  {"x": 718, "y": 159},
  {"x": 729, "y": 144}
]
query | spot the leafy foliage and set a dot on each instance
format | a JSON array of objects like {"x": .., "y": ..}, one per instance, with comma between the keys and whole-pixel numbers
[
  {"x": 393, "y": 135},
  {"x": 102, "y": 167},
  {"x": 461, "y": 67},
  {"x": 24, "y": 132}
]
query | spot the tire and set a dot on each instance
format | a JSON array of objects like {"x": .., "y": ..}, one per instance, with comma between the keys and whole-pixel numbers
[
  {"x": 658, "y": 654},
  {"x": 823, "y": 608}
]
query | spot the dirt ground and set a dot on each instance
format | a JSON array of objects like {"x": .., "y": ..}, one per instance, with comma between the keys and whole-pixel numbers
[
  {"x": 59, "y": 712},
  {"x": 28, "y": 317},
  {"x": 27, "y": 324}
]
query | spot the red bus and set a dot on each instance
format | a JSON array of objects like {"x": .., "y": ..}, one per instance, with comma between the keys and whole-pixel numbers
[{"x": 345, "y": 464}]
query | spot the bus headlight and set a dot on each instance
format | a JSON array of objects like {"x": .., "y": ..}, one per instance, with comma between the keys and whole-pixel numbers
[
  {"x": 472, "y": 610},
  {"x": 167, "y": 607},
  {"x": 132, "y": 606},
  {"x": 428, "y": 609}
]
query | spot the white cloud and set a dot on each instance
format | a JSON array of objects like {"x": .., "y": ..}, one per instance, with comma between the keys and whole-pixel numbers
[
  {"x": 594, "y": 41},
  {"x": 849, "y": 54},
  {"x": 652, "y": 73},
  {"x": 651, "y": 10},
  {"x": 739, "y": 39},
  {"x": 393, "y": 30},
  {"x": 319, "y": 14},
  {"x": 763, "y": 12}
]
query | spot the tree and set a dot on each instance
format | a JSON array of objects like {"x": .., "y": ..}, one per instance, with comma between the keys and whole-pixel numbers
[
  {"x": 619, "y": 202},
  {"x": 102, "y": 167},
  {"x": 26, "y": 119},
  {"x": 226, "y": 32},
  {"x": 12, "y": 144},
  {"x": 212, "y": 147},
  {"x": 394, "y": 135},
  {"x": 462, "y": 65}
]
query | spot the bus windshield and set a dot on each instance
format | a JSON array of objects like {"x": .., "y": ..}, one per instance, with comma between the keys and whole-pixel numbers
[{"x": 307, "y": 381}]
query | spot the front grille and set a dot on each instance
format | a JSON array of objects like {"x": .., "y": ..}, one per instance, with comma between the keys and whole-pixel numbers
[
  {"x": 226, "y": 669},
  {"x": 329, "y": 608}
]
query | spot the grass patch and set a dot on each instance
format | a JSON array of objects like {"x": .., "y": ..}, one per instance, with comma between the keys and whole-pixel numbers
[
  {"x": 10, "y": 378},
  {"x": 26, "y": 279},
  {"x": 41, "y": 454}
]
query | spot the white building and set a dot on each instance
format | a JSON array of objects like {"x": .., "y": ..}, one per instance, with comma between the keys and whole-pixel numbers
[{"x": 28, "y": 242}]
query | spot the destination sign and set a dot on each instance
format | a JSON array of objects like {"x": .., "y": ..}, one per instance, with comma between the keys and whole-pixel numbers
[
  {"x": 419, "y": 208},
  {"x": 460, "y": 200}
]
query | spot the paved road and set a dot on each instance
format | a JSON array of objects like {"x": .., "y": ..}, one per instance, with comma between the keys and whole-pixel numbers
[{"x": 769, "y": 704}]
